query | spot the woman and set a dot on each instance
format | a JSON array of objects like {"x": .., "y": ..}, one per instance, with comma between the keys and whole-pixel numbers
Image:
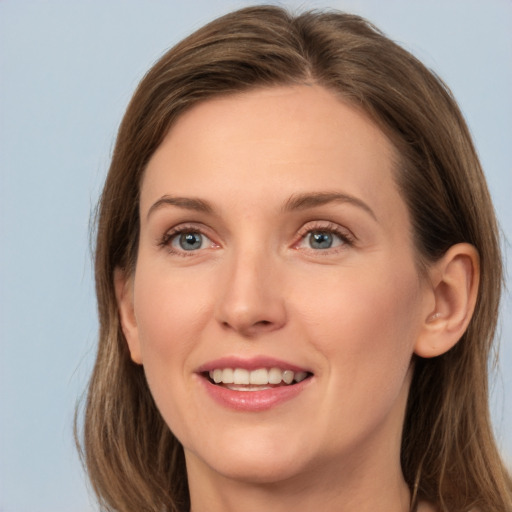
[{"x": 298, "y": 276}]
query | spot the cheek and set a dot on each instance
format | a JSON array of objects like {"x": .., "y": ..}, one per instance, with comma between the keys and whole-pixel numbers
[
  {"x": 169, "y": 313},
  {"x": 365, "y": 330},
  {"x": 365, "y": 325}
]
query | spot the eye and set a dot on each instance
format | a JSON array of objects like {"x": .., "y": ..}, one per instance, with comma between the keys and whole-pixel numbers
[
  {"x": 320, "y": 239},
  {"x": 324, "y": 238},
  {"x": 188, "y": 241},
  {"x": 185, "y": 241}
]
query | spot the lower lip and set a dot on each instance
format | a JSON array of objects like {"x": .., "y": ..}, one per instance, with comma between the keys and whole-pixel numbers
[{"x": 253, "y": 401}]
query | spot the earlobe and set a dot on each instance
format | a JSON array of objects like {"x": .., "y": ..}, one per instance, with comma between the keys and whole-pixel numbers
[
  {"x": 123, "y": 285},
  {"x": 455, "y": 280}
]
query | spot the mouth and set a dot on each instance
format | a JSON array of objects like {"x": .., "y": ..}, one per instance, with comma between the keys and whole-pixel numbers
[
  {"x": 256, "y": 384},
  {"x": 259, "y": 379}
]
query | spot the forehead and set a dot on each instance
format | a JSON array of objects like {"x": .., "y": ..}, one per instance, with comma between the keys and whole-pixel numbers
[{"x": 269, "y": 143}]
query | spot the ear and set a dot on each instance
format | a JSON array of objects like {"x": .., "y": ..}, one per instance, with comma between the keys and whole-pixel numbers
[
  {"x": 454, "y": 280},
  {"x": 123, "y": 285}
]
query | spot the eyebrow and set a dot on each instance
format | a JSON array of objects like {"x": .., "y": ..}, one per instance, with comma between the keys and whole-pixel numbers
[
  {"x": 295, "y": 202},
  {"x": 187, "y": 203},
  {"x": 312, "y": 200}
]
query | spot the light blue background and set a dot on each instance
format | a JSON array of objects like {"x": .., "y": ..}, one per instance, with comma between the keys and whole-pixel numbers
[{"x": 67, "y": 70}]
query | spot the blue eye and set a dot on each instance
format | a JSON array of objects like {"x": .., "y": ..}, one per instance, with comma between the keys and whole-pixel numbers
[
  {"x": 186, "y": 240},
  {"x": 320, "y": 239},
  {"x": 329, "y": 238},
  {"x": 189, "y": 241}
]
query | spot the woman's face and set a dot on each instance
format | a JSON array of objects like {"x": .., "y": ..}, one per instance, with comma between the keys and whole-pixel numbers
[{"x": 275, "y": 246}]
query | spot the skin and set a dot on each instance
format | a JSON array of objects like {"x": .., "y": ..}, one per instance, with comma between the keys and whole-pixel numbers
[{"x": 353, "y": 314}]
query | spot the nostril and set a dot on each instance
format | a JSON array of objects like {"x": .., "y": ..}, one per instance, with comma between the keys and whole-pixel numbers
[{"x": 260, "y": 323}]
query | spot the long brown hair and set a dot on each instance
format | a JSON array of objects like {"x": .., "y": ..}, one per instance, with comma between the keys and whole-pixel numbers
[{"x": 448, "y": 455}]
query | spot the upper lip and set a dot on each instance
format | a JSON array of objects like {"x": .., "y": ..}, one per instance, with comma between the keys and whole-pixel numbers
[{"x": 250, "y": 364}]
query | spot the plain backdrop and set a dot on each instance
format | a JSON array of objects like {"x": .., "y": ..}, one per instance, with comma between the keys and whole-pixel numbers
[{"x": 67, "y": 70}]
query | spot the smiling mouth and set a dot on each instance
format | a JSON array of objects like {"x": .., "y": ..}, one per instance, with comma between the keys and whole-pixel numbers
[{"x": 240, "y": 379}]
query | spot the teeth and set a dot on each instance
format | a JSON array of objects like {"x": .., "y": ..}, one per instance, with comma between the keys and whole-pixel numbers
[
  {"x": 288, "y": 376},
  {"x": 259, "y": 377},
  {"x": 300, "y": 376},
  {"x": 228, "y": 376},
  {"x": 240, "y": 376},
  {"x": 275, "y": 376}
]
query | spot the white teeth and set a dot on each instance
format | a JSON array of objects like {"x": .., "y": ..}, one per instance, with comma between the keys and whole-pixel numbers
[
  {"x": 227, "y": 376},
  {"x": 258, "y": 377},
  {"x": 288, "y": 376},
  {"x": 275, "y": 376},
  {"x": 240, "y": 376}
]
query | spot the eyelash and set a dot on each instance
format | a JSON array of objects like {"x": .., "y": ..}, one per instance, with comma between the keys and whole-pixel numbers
[
  {"x": 169, "y": 236},
  {"x": 344, "y": 235}
]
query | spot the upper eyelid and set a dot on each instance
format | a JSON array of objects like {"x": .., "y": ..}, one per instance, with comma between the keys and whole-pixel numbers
[
  {"x": 326, "y": 225},
  {"x": 191, "y": 227}
]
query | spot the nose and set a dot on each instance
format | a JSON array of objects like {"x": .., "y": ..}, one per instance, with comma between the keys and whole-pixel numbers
[{"x": 250, "y": 300}]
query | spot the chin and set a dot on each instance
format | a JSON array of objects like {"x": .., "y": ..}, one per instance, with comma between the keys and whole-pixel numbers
[
  {"x": 249, "y": 461},
  {"x": 264, "y": 472}
]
